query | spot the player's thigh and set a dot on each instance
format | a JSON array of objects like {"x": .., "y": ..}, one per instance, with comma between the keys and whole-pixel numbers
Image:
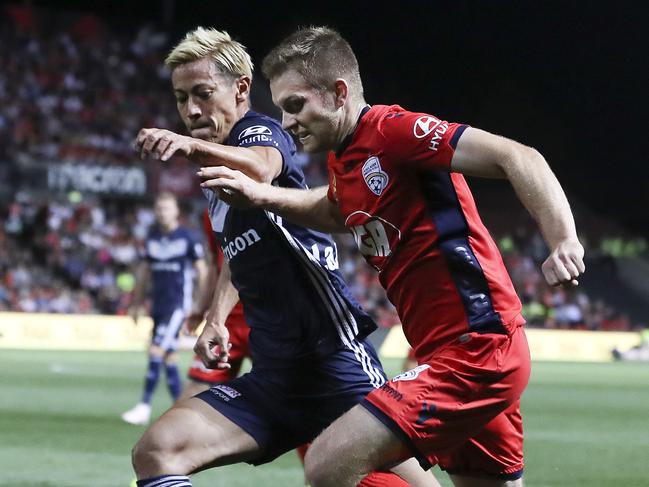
[
  {"x": 466, "y": 481},
  {"x": 192, "y": 388},
  {"x": 192, "y": 436},
  {"x": 355, "y": 442}
]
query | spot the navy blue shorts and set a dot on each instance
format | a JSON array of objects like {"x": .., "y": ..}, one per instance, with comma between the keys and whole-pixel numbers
[
  {"x": 166, "y": 328},
  {"x": 286, "y": 408}
]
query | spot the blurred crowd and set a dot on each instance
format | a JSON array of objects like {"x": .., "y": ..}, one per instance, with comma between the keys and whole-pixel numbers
[
  {"x": 74, "y": 90},
  {"x": 80, "y": 257},
  {"x": 71, "y": 90}
]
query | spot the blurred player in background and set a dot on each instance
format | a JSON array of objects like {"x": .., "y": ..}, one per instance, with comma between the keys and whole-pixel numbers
[
  {"x": 201, "y": 378},
  {"x": 311, "y": 361},
  {"x": 396, "y": 182},
  {"x": 172, "y": 256}
]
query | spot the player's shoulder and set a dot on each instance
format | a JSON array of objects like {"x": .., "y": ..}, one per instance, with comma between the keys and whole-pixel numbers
[
  {"x": 388, "y": 118},
  {"x": 254, "y": 126},
  {"x": 381, "y": 121}
]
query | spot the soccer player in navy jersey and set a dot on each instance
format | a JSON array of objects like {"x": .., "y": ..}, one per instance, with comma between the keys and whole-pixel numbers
[
  {"x": 171, "y": 257},
  {"x": 396, "y": 183},
  {"x": 311, "y": 361}
]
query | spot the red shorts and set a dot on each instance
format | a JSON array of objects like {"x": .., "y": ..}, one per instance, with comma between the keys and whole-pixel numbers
[
  {"x": 461, "y": 409},
  {"x": 239, "y": 339}
]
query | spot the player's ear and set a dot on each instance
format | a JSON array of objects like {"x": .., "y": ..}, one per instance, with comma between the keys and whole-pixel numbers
[
  {"x": 341, "y": 92},
  {"x": 243, "y": 88}
]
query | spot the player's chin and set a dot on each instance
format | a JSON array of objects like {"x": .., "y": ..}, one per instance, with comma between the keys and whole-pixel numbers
[{"x": 312, "y": 144}]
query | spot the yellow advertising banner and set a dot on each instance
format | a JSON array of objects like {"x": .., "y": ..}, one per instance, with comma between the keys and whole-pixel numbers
[{"x": 73, "y": 332}]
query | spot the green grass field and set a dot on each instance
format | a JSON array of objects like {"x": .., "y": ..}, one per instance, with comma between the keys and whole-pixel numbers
[{"x": 585, "y": 424}]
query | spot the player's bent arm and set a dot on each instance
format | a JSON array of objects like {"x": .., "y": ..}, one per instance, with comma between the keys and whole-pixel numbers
[
  {"x": 261, "y": 163},
  {"x": 482, "y": 154},
  {"x": 306, "y": 207},
  {"x": 213, "y": 345},
  {"x": 224, "y": 299}
]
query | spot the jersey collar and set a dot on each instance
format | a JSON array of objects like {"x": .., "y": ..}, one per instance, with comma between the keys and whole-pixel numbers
[{"x": 348, "y": 139}]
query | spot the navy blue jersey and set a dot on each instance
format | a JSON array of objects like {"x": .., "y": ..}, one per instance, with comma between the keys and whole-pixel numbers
[
  {"x": 295, "y": 300},
  {"x": 171, "y": 257}
]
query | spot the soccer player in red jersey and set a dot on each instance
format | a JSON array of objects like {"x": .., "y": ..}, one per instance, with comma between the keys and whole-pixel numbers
[{"x": 396, "y": 182}]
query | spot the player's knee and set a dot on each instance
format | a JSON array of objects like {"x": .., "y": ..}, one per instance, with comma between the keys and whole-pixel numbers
[
  {"x": 317, "y": 468},
  {"x": 156, "y": 351},
  {"x": 158, "y": 452}
]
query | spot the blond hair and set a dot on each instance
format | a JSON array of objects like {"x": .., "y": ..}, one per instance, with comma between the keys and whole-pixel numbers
[{"x": 229, "y": 56}]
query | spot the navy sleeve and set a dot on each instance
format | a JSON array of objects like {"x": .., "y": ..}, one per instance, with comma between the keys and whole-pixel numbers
[{"x": 265, "y": 132}]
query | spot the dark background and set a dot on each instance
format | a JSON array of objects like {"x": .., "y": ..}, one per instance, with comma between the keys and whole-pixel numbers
[{"x": 569, "y": 78}]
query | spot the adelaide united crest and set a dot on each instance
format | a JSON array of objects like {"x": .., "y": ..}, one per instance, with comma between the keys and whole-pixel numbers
[{"x": 375, "y": 178}]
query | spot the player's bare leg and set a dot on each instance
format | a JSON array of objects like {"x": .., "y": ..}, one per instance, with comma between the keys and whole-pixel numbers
[
  {"x": 353, "y": 446},
  {"x": 189, "y": 437},
  {"x": 411, "y": 472},
  {"x": 464, "y": 481}
]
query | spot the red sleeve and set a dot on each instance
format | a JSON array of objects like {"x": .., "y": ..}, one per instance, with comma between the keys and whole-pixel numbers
[{"x": 421, "y": 140}]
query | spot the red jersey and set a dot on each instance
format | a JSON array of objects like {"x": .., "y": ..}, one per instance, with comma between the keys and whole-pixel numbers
[{"x": 418, "y": 225}]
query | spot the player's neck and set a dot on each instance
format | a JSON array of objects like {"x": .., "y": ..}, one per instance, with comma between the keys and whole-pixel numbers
[
  {"x": 349, "y": 123},
  {"x": 242, "y": 109}
]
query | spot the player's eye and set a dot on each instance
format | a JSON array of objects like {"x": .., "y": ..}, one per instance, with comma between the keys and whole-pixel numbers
[
  {"x": 204, "y": 95},
  {"x": 181, "y": 98},
  {"x": 294, "y": 106}
]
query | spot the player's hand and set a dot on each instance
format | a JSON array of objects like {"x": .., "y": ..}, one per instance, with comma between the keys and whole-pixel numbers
[
  {"x": 565, "y": 264},
  {"x": 213, "y": 346},
  {"x": 162, "y": 144},
  {"x": 232, "y": 186}
]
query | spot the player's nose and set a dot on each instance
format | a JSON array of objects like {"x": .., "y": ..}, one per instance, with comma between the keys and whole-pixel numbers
[
  {"x": 288, "y": 121},
  {"x": 193, "y": 108}
]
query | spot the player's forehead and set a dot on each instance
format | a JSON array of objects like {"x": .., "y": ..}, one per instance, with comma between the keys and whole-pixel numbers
[
  {"x": 289, "y": 84},
  {"x": 196, "y": 73}
]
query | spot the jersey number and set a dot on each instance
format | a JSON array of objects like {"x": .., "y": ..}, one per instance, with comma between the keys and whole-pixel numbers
[
  {"x": 371, "y": 238},
  {"x": 330, "y": 256}
]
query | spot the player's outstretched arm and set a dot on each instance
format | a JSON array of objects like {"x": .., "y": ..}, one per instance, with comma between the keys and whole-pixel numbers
[
  {"x": 480, "y": 153},
  {"x": 306, "y": 207},
  {"x": 260, "y": 163},
  {"x": 213, "y": 345}
]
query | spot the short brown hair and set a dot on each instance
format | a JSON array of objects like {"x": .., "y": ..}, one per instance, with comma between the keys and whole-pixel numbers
[{"x": 319, "y": 54}]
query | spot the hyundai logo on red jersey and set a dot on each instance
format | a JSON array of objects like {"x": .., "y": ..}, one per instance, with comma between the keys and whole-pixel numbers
[{"x": 425, "y": 125}]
